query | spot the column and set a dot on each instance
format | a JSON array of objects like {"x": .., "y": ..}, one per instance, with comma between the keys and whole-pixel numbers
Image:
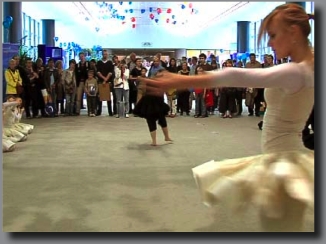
[
  {"x": 243, "y": 36},
  {"x": 48, "y": 32},
  {"x": 179, "y": 53},
  {"x": 13, "y": 9}
]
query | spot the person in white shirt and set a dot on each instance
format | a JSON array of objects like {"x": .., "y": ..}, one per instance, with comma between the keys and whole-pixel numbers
[{"x": 121, "y": 88}]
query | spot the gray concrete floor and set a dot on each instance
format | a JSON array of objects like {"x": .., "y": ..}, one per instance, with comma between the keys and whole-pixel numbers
[{"x": 85, "y": 174}]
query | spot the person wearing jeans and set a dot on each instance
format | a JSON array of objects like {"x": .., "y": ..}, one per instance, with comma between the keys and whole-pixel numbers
[
  {"x": 70, "y": 87},
  {"x": 81, "y": 76},
  {"x": 200, "y": 94},
  {"x": 121, "y": 88}
]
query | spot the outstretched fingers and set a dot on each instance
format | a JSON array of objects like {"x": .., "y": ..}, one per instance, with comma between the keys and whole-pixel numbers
[{"x": 152, "y": 87}]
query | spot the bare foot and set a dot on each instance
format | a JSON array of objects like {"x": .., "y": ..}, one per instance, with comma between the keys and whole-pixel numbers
[
  {"x": 153, "y": 144},
  {"x": 168, "y": 140}
]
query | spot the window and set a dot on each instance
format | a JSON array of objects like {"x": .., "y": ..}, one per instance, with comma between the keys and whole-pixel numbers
[
  {"x": 31, "y": 33},
  {"x": 310, "y": 8}
]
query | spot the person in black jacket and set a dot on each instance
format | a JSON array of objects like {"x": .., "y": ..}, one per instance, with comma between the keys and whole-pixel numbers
[
  {"x": 105, "y": 74},
  {"x": 307, "y": 133},
  {"x": 82, "y": 68}
]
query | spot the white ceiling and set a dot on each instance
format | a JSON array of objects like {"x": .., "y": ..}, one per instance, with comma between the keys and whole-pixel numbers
[
  {"x": 184, "y": 13},
  {"x": 106, "y": 17}
]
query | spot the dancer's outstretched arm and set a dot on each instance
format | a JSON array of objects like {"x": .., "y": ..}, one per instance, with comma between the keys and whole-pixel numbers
[{"x": 289, "y": 76}]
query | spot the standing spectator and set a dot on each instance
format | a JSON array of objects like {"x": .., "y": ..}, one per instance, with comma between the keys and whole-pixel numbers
[
  {"x": 39, "y": 69},
  {"x": 13, "y": 79},
  {"x": 239, "y": 94},
  {"x": 70, "y": 87},
  {"x": 60, "y": 87},
  {"x": 134, "y": 74},
  {"x": 25, "y": 80},
  {"x": 31, "y": 90},
  {"x": 105, "y": 73},
  {"x": 192, "y": 70},
  {"x": 162, "y": 63},
  {"x": 82, "y": 68},
  {"x": 132, "y": 82},
  {"x": 253, "y": 95},
  {"x": 172, "y": 93},
  {"x": 121, "y": 88},
  {"x": 91, "y": 89},
  {"x": 51, "y": 79},
  {"x": 183, "y": 95},
  {"x": 206, "y": 67},
  {"x": 200, "y": 94},
  {"x": 227, "y": 97},
  {"x": 183, "y": 60},
  {"x": 308, "y": 133},
  {"x": 116, "y": 63}
]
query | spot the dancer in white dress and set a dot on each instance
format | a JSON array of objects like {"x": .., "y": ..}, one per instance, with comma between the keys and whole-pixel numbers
[
  {"x": 280, "y": 181},
  {"x": 7, "y": 144},
  {"x": 18, "y": 113},
  {"x": 8, "y": 130}
]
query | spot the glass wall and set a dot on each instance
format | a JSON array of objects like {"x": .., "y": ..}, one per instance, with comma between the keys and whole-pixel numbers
[
  {"x": 253, "y": 44},
  {"x": 264, "y": 49},
  {"x": 310, "y": 8},
  {"x": 31, "y": 30}
]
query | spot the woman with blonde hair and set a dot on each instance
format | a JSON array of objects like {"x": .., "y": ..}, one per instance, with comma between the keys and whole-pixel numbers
[
  {"x": 280, "y": 181},
  {"x": 13, "y": 80}
]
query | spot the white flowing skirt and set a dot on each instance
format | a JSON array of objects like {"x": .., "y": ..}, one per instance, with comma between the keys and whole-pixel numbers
[
  {"x": 14, "y": 135},
  {"x": 257, "y": 180},
  {"x": 8, "y": 145}
]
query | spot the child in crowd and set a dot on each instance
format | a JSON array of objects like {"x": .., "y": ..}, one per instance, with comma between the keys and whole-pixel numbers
[{"x": 91, "y": 89}]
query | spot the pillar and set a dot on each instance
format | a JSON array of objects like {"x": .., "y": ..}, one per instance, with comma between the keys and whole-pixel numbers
[
  {"x": 243, "y": 28},
  {"x": 13, "y": 9},
  {"x": 48, "y": 32}
]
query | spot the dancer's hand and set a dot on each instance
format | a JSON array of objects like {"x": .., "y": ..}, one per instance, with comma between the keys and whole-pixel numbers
[{"x": 162, "y": 82}]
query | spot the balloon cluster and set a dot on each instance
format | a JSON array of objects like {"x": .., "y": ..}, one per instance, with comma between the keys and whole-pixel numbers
[
  {"x": 97, "y": 48},
  {"x": 69, "y": 45},
  {"x": 112, "y": 11},
  {"x": 242, "y": 56},
  {"x": 7, "y": 22},
  {"x": 168, "y": 11}
]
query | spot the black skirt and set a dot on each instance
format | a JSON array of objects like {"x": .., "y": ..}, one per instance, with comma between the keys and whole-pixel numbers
[{"x": 151, "y": 107}]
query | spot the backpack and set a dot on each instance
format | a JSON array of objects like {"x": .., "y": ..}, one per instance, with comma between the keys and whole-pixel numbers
[{"x": 50, "y": 109}]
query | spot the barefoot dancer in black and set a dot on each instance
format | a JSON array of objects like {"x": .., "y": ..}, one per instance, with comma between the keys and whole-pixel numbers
[{"x": 153, "y": 108}]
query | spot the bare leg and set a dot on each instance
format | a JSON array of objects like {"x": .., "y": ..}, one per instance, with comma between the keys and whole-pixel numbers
[
  {"x": 166, "y": 134},
  {"x": 153, "y": 136}
]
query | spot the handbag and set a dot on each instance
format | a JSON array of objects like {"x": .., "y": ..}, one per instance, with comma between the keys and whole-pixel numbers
[
  {"x": 50, "y": 109},
  {"x": 19, "y": 87}
]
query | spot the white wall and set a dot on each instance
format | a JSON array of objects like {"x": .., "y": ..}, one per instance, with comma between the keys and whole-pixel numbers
[
  {"x": 180, "y": 53},
  {"x": 218, "y": 36},
  {"x": 213, "y": 38}
]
